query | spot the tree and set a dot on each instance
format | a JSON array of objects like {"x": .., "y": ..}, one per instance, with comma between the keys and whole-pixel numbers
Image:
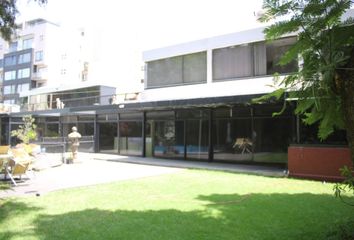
[
  {"x": 27, "y": 131},
  {"x": 324, "y": 83},
  {"x": 8, "y": 12}
]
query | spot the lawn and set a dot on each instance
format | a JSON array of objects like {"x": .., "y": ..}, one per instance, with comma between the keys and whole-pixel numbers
[{"x": 191, "y": 204}]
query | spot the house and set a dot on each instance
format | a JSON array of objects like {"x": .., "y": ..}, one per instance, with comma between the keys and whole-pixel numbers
[{"x": 196, "y": 105}]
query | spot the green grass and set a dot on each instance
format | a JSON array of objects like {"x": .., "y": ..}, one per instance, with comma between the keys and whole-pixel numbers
[{"x": 190, "y": 204}]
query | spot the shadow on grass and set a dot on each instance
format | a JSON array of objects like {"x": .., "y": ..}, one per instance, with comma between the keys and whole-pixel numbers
[
  {"x": 219, "y": 216},
  {"x": 12, "y": 209}
]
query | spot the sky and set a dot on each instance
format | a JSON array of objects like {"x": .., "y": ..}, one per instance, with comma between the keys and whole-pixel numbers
[{"x": 124, "y": 29}]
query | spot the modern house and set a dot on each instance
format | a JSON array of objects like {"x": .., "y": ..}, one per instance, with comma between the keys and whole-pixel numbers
[{"x": 196, "y": 105}]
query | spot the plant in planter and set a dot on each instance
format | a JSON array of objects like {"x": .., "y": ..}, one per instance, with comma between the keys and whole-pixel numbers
[{"x": 26, "y": 132}]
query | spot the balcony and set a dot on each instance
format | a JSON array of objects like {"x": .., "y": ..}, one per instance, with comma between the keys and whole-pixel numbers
[
  {"x": 57, "y": 102},
  {"x": 37, "y": 76}
]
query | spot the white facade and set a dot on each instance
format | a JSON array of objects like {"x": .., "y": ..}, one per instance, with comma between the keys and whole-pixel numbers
[
  {"x": 60, "y": 55},
  {"x": 210, "y": 88}
]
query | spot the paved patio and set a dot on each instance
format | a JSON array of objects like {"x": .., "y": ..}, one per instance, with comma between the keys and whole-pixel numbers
[{"x": 94, "y": 169}]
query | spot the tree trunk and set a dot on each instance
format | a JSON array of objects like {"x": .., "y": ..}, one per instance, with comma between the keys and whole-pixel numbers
[{"x": 347, "y": 96}]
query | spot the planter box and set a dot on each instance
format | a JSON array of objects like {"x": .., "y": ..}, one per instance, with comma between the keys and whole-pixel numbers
[{"x": 318, "y": 162}]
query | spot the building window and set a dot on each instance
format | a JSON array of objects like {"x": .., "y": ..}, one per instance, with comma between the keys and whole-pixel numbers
[
  {"x": 232, "y": 62},
  {"x": 10, "y": 61},
  {"x": 39, "y": 56},
  {"x": 13, "y": 47},
  {"x": 23, "y": 73},
  {"x": 1, "y": 63},
  {"x": 12, "y": 101},
  {"x": 186, "y": 69},
  {"x": 41, "y": 37},
  {"x": 63, "y": 71},
  {"x": 10, "y": 89},
  {"x": 27, "y": 43},
  {"x": 275, "y": 50},
  {"x": 10, "y": 75},
  {"x": 254, "y": 59},
  {"x": 24, "y": 58},
  {"x": 23, "y": 87}
]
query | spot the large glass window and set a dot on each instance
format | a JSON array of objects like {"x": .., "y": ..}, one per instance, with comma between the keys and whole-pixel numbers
[
  {"x": 233, "y": 139},
  {"x": 197, "y": 139},
  {"x": 24, "y": 58},
  {"x": 23, "y": 73},
  {"x": 130, "y": 138},
  {"x": 253, "y": 59},
  {"x": 23, "y": 87},
  {"x": 27, "y": 43},
  {"x": 10, "y": 89},
  {"x": 10, "y": 61},
  {"x": 168, "y": 139},
  {"x": 39, "y": 56},
  {"x": 13, "y": 47},
  {"x": 108, "y": 140},
  {"x": 232, "y": 62},
  {"x": 178, "y": 70},
  {"x": 9, "y": 75},
  {"x": 275, "y": 50}
]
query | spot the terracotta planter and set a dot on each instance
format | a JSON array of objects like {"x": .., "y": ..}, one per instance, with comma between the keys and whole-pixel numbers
[{"x": 318, "y": 162}]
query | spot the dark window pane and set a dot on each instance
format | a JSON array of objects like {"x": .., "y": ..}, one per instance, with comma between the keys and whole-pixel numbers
[
  {"x": 275, "y": 50},
  {"x": 130, "y": 138},
  {"x": 197, "y": 139}
]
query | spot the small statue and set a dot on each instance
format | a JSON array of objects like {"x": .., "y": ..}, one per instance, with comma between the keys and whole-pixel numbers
[{"x": 74, "y": 137}]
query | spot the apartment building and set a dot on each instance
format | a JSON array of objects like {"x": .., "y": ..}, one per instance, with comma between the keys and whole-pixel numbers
[{"x": 41, "y": 53}]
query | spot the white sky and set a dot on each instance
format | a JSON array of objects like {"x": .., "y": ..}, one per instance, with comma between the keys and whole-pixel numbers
[{"x": 123, "y": 29}]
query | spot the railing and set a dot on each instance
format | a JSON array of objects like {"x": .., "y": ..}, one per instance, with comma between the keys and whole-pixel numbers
[
  {"x": 59, "y": 147},
  {"x": 80, "y": 102},
  {"x": 86, "y": 142}
]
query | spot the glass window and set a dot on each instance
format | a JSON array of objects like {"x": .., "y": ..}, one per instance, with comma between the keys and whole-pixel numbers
[
  {"x": 23, "y": 87},
  {"x": 10, "y": 75},
  {"x": 13, "y": 47},
  {"x": 23, "y": 73},
  {"x": 10, "y": 89},
  {"x": 178, "y": 70},
  {"x": 39, "y": 56},
  {"x": 10, "y": 60},
  {"x": 130, "y": 138},
  {"x": 168, "y": 139},
  {"x": 11, "y": 101},
  {"x": 233, "y": 139},
  {"x": 197, "y": 139},
  {"x": 1, "y": 63},
  {"x": 232, "y": 62},
  {"x": 27, "y": 43},
  {"x": 24, "y": 58},
  {"x": 275, "y": 50}
]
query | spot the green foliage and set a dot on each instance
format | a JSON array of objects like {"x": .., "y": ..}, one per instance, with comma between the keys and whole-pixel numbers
[
  {"x": 27, "y": 131},
  {"x": 323, "y": 47},
  {"x": 8, "y": 12},
  {"x": 347, "y": 186}
]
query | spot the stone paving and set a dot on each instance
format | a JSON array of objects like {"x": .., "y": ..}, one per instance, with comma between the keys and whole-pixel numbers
[{"x": 94, "y": 169}]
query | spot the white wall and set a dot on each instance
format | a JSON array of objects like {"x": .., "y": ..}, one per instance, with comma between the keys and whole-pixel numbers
[{"x": 248, "y": 86}]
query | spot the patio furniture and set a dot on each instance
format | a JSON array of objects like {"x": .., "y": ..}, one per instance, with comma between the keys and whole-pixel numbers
[
  {"x": 4, "y": 158},
  {"x": 18, "y": 164},
  {"x": 244, "y": 144},
  {"x": 14, "y": 169}
]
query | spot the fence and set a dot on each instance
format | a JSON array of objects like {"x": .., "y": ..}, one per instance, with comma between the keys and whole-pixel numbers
[{"x": 59, "y": 147}]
